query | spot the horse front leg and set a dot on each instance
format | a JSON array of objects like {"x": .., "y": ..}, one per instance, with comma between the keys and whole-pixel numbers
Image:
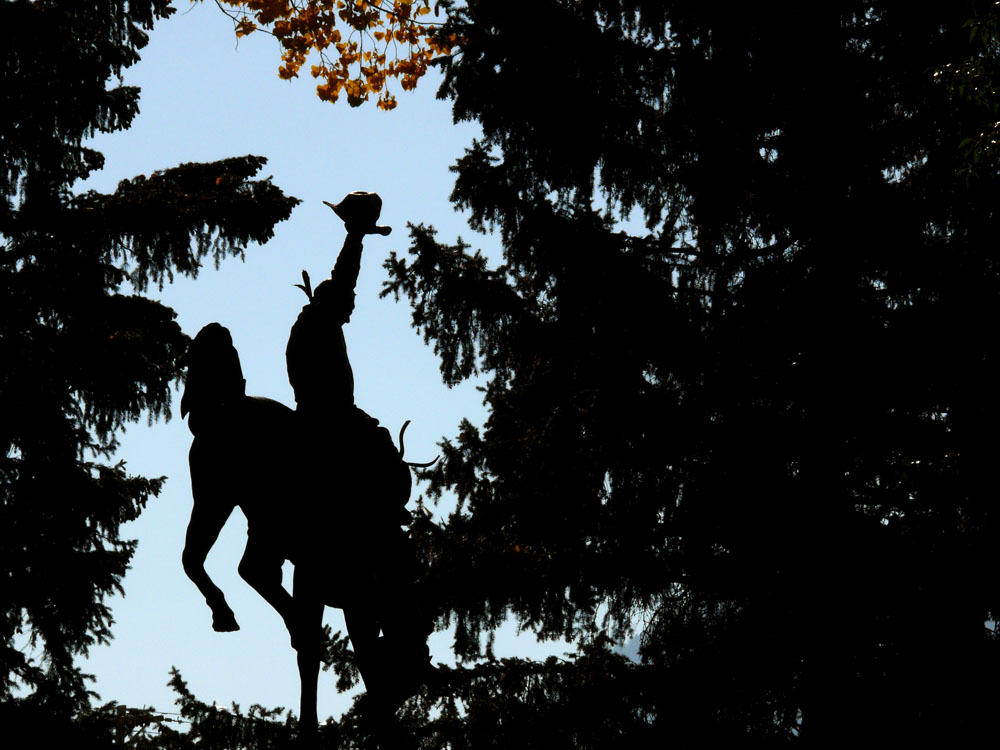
[
  {"x": 261, "y": 567},
  {"x": 212, "y": 508}
]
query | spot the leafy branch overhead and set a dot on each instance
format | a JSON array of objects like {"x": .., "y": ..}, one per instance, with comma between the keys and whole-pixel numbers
[{"x": 360, "y": 44}]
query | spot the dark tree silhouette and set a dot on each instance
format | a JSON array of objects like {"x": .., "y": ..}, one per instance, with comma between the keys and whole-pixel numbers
[
  {"x": 764, "y": 421},
  {"x": 762, "y": 425},
  {"x": 82, "y": 352}
]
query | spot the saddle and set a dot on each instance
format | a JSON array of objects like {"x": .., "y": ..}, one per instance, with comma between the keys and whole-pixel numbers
[{"x": 354, "y": 462}]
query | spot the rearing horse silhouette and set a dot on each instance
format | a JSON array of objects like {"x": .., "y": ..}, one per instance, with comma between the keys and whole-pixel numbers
[{"x": 299, "y": 502}]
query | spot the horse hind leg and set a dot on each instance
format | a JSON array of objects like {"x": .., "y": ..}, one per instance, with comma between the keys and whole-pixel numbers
[{"x": 308, "y": 624}]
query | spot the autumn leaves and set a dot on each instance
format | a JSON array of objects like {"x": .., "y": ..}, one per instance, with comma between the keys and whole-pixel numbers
[{"x": 361, "y": 44}]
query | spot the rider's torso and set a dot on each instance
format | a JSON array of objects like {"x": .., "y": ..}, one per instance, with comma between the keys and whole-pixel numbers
[{"x": 318, "y": 367}]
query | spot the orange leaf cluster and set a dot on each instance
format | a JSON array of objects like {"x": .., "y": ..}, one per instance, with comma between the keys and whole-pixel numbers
[{"x": 361, "y": 44}]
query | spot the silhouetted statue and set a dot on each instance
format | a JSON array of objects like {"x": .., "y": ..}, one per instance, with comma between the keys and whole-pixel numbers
[{"x": 322, "y": 486}]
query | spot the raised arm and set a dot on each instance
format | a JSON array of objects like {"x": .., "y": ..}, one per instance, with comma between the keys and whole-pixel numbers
[
  {"x": 344, "y": 276},
  {"x": 359, "y": 212}
]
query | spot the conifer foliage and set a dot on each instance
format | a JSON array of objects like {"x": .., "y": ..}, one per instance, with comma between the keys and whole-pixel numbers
[
  {"x": 758, "y": 420},
  {"x": 82, "y": 353},
  {"x": 756, "y": 424}
]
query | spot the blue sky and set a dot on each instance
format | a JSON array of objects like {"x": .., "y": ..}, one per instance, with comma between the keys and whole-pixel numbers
[{"x": 205, "y": 97}]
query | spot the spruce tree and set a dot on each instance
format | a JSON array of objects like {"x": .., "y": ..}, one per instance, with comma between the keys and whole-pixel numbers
[
  {"x": 82, "y": 351},
  {"x": 761, "y": 424}
]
